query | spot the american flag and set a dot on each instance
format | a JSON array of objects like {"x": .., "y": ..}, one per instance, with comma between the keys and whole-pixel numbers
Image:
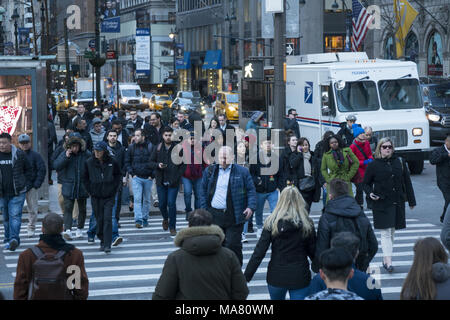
[{"x": 361, "y": 20}]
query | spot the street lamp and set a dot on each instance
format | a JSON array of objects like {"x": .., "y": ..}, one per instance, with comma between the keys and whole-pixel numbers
[
  {"x": 173, "y": 36},
  {"x": 16, "y": 17},
  {"x": 2, "y": 12}
]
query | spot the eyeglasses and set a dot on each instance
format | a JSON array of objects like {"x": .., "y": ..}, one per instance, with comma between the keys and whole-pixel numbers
[{"x": 386, "y": 147}]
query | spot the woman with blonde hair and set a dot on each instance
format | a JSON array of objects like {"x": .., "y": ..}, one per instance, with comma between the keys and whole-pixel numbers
[
  {"x": 429, "y": 276},
  {"x": 388, "y": 184},
  {"x": 291, "y": 233}
]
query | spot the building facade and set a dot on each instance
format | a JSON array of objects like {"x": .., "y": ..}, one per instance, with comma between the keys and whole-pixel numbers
[{"x": 427, "y": 42}]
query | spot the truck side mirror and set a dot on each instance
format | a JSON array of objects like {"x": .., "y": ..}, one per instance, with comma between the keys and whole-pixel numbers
[{"x": 326, "y": 111}]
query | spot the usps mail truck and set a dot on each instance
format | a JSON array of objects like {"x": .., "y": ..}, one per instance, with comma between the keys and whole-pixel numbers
[{"x": 383, "y": 94}]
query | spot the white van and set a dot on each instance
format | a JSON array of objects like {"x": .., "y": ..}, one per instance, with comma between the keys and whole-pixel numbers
[
  {"x": 384, "y": 94},
  {"x": 131, "y": 96}
]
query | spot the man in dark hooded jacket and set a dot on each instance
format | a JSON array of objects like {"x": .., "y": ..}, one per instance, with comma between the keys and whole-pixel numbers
[{"x": 342, "y": 213}]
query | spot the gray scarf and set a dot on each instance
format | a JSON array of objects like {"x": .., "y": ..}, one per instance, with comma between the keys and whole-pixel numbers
[{"x": 307, "y": 164}]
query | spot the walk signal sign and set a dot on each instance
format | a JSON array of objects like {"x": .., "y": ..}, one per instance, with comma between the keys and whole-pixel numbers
[{"x": 253, "y": 70}]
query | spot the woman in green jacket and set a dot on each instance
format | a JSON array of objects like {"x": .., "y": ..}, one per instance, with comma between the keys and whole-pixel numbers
[{"x": 335, "y": 162}]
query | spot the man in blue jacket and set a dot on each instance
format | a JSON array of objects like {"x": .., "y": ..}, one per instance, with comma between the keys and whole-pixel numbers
[
  {"x": 360, "y": 283},
  {"x": 228, "y": 192},
  {"x": 38, "y": 174}
]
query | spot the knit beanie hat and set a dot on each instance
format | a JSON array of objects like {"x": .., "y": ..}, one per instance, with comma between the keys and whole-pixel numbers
[{"x": 357, "y": 130}]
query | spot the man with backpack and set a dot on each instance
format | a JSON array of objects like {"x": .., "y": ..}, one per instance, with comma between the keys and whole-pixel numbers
[
  {"x": 361, "y": 149},
  {"x": 341, "y": 214},
  {"x": 43, "y": 270}
]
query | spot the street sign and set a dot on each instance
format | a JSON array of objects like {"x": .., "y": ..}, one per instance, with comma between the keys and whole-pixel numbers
[
  {"x": 111, "y": 55},
  {"x": 89, "y": 54},
  {"x": 92, "y": 44},
  {"x": 289, "y": 49},
  {"x": 254, "y": 70}
]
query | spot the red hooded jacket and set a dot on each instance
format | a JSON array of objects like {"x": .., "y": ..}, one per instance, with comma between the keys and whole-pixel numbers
[{"x": 365, "y": 146}]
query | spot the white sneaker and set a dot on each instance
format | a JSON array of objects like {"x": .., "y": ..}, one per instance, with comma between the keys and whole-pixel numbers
[
  {"x": 67, "y": 235},
  {"x": 244, "y": 239},
  {"x": 79, "y": 233},
  {"x": 258, "y": 233}
]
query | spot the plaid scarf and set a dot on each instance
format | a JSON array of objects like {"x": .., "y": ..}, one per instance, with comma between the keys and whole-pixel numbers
[{"x": 338, "y": 157}]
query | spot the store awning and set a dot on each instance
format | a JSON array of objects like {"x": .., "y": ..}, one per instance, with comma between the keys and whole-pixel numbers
[
  {"x": 213, "y": 59},
  {"x": 186, "y": 62}
]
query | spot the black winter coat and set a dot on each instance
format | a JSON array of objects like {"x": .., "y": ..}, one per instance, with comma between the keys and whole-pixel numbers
[
  {"x": 138, "y": 124},
  {"x": 152, "y": 134},
  {"x": 173, "y": 172},
  {"x": 71, "y": 170},
  {"x": 331, "y": 222},
  {"x": 118, "y": 154},
  {"x": 319, "y": 150},
  {"x": 265, "y": 183},
  {"x": 288, "y": 266},
  {"x": 441, "y": 159},
  {"x": 298, "y": 162},
  {"x": 389, "y": 179},
  {"x": 87, "y": 138},
  {"x": 292, "y": 124},
  {"x": 22, "y": 175},
  {"x": 52, "y": 137},
  {"x": 137, "y": 160},
  {"x": 38, "y": 169},
  {"x": 346, "y": 134},
  {"x": 290, "y": 166},
  {"x": 102, "y": 180}
]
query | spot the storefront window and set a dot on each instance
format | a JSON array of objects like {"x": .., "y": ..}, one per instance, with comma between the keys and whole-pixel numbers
[
  {"x": 434, "y": 53},
  {"x": 334, "y": 43},
  {"x": 411, "y": 47},
  {"x": 389, "y": 49},
  {"x": 16, "y": 105}
]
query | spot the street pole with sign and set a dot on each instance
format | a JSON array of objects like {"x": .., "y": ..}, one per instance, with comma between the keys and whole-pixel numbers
[
  {"x": 279, "y": 94},
  {"x": 66, "y": 50}
]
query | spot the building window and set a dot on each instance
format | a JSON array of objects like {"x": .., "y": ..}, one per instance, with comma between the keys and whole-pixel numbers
[
  {"x": 334, "y": 43},
  {"x": 434, "y": 53},
  {"x": 389, "y": 48},
  {"x": 411, "y": 47},
  {"x": 337, "y": 5}
]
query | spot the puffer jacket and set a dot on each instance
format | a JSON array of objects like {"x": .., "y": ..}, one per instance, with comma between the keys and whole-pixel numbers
[
  {"x": 96, "y": 137},
  {"x": 243, "y": 193},
  {"x": 137, "y": 160},
  {"x": 102, "y": 180},
  {"x": 22, "y": 172},
  {"x": 347, "y": 208},
  {"x": 71, "y": 170},
  {"x": 38, "y": 170},
  {"x": 288, "y": 266},
  {"x": 201, "y": 269}
]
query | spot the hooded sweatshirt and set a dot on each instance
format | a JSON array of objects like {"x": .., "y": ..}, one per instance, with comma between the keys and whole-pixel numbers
[{"x": 344, "y": 214}]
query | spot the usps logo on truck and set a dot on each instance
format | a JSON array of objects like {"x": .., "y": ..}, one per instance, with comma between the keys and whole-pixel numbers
[{"x": 308, "y": 92}]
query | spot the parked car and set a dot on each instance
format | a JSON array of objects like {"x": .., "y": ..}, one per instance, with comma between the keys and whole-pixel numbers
[
  {"x": 188, "y": 105},
  {"x": 227, "y": 103},
  {"x": 160, "y": 101},
  {"x": 436, "y": 98}
]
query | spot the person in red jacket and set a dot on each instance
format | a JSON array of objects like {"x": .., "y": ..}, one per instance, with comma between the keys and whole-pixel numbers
[
  {"x": 192, "y": 177},
  {"x": 361, "y": 148}
]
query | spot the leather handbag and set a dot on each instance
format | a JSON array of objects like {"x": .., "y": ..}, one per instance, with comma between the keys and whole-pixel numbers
[
  {"x": 306, "y": 184},
  {"x": 357, "y": 178}
]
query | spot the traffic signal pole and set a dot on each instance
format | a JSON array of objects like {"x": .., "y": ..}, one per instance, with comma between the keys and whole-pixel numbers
[
  {"x": 97, "y": 53},
  {"x": 279, "y": 93}
]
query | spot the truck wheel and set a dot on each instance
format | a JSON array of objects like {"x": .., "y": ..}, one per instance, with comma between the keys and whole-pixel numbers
[{"x": 415, "y": 166}]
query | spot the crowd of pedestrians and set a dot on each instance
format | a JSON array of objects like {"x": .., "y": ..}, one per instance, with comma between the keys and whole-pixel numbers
[{"x": 98, "y": 157}]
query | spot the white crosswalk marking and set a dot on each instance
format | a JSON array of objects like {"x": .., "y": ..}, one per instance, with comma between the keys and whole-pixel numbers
[{"x": 133, "y": 268}]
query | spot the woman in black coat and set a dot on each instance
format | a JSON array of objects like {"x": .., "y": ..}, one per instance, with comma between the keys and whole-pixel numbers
[
  {"x": 291, "y": 233},
  {"x": 441, "y": 158},
  {"x": 388, "y": 184},
  {"x": 307, "y": 170},
  {"x": 290, "y": 161}
]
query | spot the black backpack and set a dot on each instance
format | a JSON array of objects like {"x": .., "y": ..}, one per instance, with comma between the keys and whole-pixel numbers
[
  {"x": 49, "y": 277},
  {"x": 344, "y": 224}
]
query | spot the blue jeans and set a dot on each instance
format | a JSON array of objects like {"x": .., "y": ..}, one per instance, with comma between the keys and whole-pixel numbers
[
  {"x": 142, "y": 189},
  {"x": 272, "y": 198},
  {"x": 277, "y": 293},
  {"x": 168, "y": 198},
  {"x": 11, "y": 208},
  {"x": 189, "y": 186},
  {"x": 93, "y": 223}
]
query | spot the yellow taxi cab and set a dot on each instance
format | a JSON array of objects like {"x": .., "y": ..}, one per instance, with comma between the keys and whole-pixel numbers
[
  {"x": 159, "y": 101},
  {"x": 227, "y": 103}
]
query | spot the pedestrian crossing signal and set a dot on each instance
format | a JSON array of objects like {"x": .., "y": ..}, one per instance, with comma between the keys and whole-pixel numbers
[{"x": 253, "y": 70}]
